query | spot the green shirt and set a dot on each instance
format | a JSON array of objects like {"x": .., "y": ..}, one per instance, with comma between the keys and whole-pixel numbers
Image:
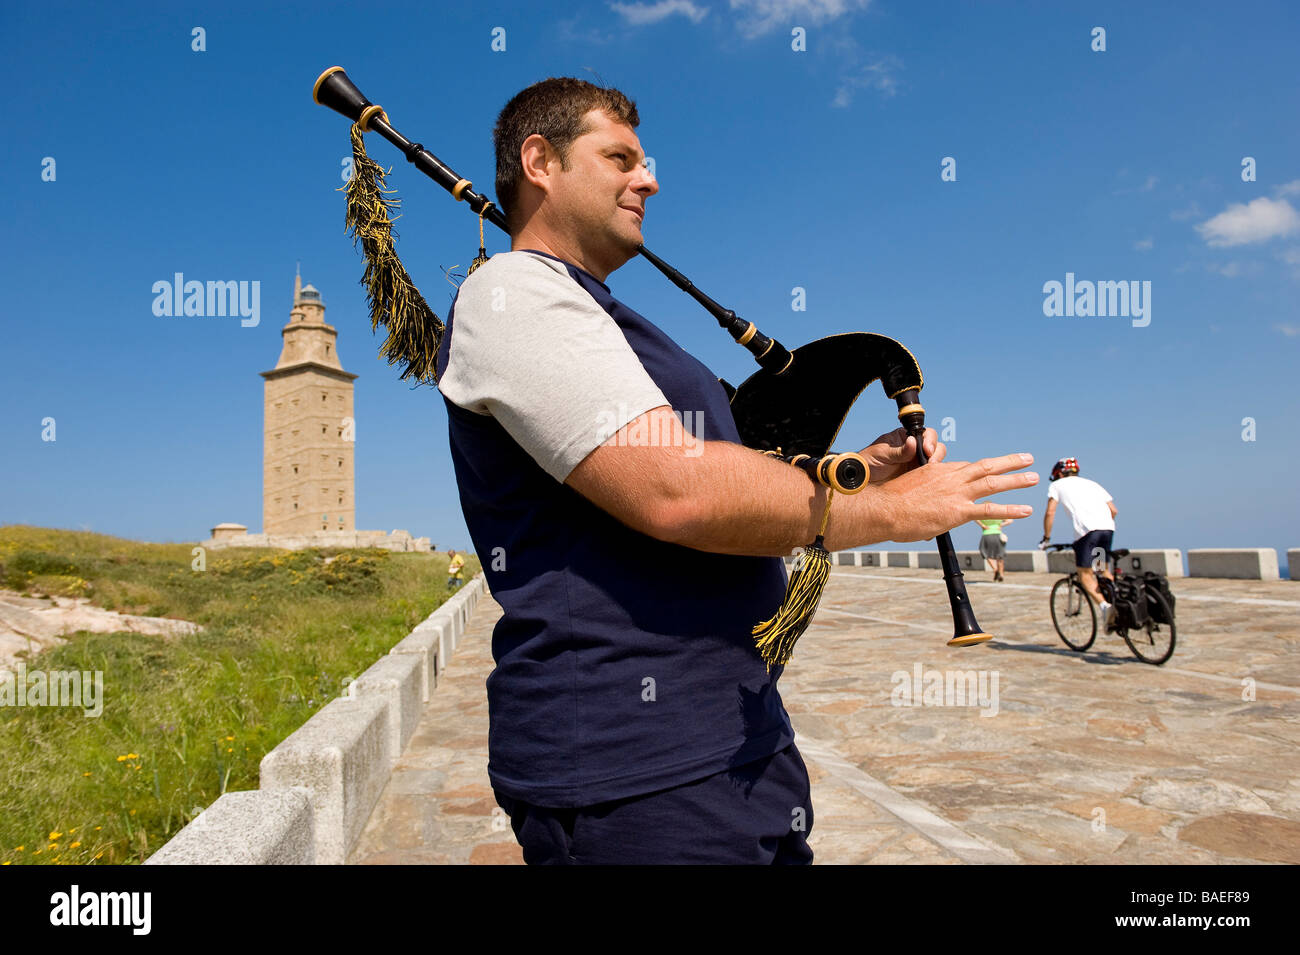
[{"x": 990, "y": 527}]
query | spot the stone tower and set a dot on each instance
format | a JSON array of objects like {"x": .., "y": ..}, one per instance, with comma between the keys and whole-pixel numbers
[{"x": 308, "y": 476}]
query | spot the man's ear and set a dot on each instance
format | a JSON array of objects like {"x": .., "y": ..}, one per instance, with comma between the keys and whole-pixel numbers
[{"x": 536, "y": 155}]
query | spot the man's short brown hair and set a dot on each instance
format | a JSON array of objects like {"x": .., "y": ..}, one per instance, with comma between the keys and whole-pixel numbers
[{"x": 554, "y": 109}]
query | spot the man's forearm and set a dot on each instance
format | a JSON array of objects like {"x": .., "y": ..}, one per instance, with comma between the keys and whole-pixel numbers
[
  {"x": 719, "y": 497},
  {"x": 732, "y": 500}
]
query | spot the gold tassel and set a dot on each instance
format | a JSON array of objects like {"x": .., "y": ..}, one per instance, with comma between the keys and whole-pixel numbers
[
  {"x": 775, "y": 638},
  {"x": 481, "y": 258},
  {"x": 414, "y": 331}
]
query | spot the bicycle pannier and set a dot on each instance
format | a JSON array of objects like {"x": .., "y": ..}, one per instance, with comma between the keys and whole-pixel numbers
[
  {"x": 1158, "y": 583},
  {"x": 1131, "y": 602}
]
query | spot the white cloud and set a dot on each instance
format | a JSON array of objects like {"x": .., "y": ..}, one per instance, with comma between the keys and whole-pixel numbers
[
  {"x": 1144, "y": 245},
  {"x": 1150, "y": 183},
  {"x": 757, "y": 17},
  {"x": 571, "y": 32},
  {"x": 880, "y": 74},
  {"x": 1291, "y": 257},
  {"x": 1257, "y": 221},
  {"x": 1291, "y": 188},
  {"x": 1231, "y": 270},
  {"x": 639, "y": 14},
  {"x": 1290, "y": 331},
  {"x": 1236, "y": 269},
  {"x": 1182, "y": 215}
]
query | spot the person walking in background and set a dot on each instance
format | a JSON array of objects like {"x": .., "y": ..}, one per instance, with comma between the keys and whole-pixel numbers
[
  {"x": 993, "y": 544},
  {"x": 455, "y": 566}
]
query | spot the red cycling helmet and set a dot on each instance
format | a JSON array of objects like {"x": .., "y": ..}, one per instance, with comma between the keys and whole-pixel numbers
[{"x": 1065, "y": 466}]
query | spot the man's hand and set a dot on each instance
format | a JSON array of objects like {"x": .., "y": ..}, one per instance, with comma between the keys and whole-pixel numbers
[
  {"x": 894, "y": 453},
  {"x": 925, "y": 502}
]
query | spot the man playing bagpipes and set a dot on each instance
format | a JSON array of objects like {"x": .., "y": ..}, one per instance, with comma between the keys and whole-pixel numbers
[{"x": 632, "y": 717}]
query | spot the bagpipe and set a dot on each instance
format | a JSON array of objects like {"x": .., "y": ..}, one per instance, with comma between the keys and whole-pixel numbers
[{"x": 792, "y": 408}]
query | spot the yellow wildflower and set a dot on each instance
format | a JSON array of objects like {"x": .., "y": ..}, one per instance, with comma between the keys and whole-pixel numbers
[
  {"x": 19, "y": 848},
  {"x": 55, "y": 835},
  {"x": 74, "y": 844}
]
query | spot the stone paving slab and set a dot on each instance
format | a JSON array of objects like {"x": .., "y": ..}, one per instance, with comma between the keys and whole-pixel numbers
[
  {"x": 1083, "y": 758},
  {"x": 438, "y": 807}
]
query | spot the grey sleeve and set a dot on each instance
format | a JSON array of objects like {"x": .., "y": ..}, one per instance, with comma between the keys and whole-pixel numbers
[{"x": 531, "y": 348}]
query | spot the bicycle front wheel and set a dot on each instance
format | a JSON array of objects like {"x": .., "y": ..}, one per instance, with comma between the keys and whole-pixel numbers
[
  {"x": 1073, "y": 614},
  {"x": 1153, "y": 642}
]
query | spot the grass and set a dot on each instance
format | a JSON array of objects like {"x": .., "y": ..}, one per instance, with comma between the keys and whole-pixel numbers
[{"x": 185, "y": 718}]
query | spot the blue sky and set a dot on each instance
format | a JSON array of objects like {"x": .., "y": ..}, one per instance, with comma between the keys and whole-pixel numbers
[{"x": 818, "y": 169}]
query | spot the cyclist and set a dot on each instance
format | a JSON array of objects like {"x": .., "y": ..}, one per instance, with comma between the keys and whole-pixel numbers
[{"x": 1093, "y": 511}]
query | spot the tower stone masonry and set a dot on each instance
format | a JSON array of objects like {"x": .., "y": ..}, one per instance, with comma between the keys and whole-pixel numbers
[{"x": 308, "y": 466}]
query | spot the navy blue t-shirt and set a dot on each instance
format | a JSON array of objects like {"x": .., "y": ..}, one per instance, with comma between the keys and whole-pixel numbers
[{"x": 624, "y": 664}]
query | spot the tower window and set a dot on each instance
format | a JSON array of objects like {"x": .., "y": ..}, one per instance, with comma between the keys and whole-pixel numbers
[
  {"x": 340, "y": 462},
  {"x": 322, "y": 429},
  {"x": 327, "y": 349},
  {"x": 295, "y": 469}
]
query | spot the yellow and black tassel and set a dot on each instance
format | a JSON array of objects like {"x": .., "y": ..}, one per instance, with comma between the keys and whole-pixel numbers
[
  {"x": 775, "y": 638},
  {"x": 414, "y": 331},
  {"x": 481, "y": 258}
]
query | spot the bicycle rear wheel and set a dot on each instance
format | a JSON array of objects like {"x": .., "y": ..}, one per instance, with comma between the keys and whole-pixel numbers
[
  {"x": 1153, "y": 642},
  {"x": 1073, "y": 615}
]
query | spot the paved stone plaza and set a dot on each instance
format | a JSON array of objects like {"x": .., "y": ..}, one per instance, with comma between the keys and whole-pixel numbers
[{"x": 1092, "y": 758}]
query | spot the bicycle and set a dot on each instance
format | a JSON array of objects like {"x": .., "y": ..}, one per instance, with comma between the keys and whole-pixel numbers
[{"x": 1075, "y": 617}]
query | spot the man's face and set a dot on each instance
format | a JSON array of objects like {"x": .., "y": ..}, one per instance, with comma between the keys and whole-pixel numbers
[{"x": 600, "y": 199}]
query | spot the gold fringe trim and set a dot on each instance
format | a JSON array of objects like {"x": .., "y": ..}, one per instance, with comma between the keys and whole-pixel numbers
[
  {"x": 775, "y": 638},
  {"x": 414, "y": 331}
]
